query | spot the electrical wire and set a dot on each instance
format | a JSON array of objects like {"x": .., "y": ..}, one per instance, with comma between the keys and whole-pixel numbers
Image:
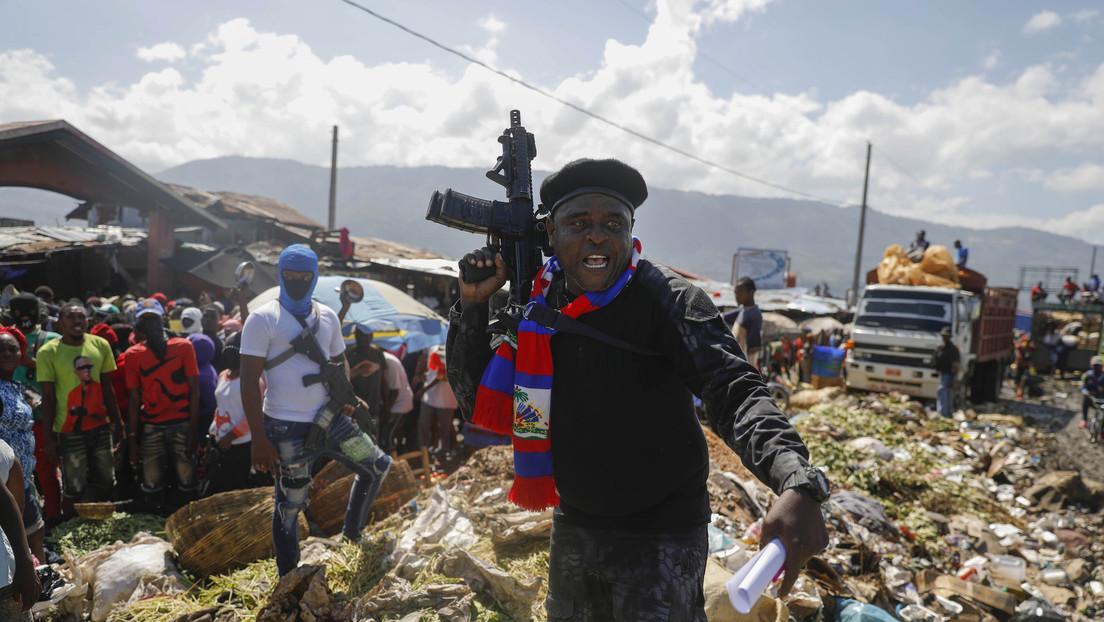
[
  {"x": 904, "y": 171},
  {"x": 700, "y": 52},
  {"x": 593, "y": 115}
]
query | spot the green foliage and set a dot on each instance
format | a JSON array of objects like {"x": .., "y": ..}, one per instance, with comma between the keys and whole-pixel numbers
[{"x": 79, "y": 536}]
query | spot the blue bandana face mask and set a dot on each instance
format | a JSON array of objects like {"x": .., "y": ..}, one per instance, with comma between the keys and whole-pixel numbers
[{"x": 294, "y": 297}]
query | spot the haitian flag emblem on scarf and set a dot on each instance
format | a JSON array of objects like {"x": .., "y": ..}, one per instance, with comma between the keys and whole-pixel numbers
[{"x": 515, "y": 393}]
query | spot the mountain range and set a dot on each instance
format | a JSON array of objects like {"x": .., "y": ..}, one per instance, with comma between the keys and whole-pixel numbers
[{"x": 689, "y": 230}]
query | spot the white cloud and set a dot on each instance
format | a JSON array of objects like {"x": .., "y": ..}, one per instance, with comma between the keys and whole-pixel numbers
[
  {"x": 1087, "y": 177},
  {"x": 1042, "y": 21},
  {"x": 270, "y": 95},
  {"x": 492, "y": 24},
  {"x": 992, "y": 60},
  {"x": 167, "y": 51},
  {"x": 1086, "y": 225},
  {"x": 1084, "y": 15}
]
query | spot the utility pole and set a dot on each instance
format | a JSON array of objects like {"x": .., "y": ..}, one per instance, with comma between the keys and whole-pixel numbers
[
  {"x": 862, "y": 228},
  {"x": 333, "y": 183}
]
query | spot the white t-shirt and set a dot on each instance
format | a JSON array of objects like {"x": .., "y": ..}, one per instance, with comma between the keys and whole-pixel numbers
[
  {"x": 268, "y": 333},
  {"x": 395, "y": 377},
  {"x": 440, "y": 395},
  {"x": 230, "y": 414}
]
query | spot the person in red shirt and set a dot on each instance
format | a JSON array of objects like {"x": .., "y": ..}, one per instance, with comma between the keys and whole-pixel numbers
[
  {"x": 163, "y": 382},
  {"x": 1069, "y": 290}
]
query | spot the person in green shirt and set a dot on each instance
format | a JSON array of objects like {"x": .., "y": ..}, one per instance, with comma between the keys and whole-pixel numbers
[
  {"x": 78, "y": 402},
  {"x": 27, "y": 311}
]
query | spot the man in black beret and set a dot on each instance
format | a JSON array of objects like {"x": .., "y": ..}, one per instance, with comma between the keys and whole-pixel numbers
[{"x": 628, "y": 467}]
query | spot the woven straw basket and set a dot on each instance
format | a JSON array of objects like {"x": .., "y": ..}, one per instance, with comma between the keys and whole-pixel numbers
[
  {"x": 225, "y": 531},
  {"x": 95, "y": 511},
  {"x": 329, "y": 494}
]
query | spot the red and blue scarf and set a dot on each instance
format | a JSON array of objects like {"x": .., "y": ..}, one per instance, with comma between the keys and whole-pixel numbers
[{"x": 515, "y": 394}]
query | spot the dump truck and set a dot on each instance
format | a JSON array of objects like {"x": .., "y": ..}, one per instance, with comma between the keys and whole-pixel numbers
[{"x": 896, "y": 331}]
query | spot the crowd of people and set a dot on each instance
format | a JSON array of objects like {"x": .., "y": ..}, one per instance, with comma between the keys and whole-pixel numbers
[
  {"x": 1090, "y": 292},
  {"x": 139, "y": 400}
]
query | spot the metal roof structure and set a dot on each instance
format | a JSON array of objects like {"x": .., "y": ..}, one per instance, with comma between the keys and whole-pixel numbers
[
  {"x": 247, "y": 205},
  {"x": 55, "y": 156}
]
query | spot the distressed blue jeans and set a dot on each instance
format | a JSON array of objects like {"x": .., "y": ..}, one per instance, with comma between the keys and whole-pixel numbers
[
  {"x": 162, "y": 445},
  {"x": 86, "y": 458},
  {"x": 293, "y": 478},
  {"x": 944, "y": 398}
]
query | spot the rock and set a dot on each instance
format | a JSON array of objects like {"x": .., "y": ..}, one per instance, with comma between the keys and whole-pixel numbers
[{"x": 1079, "y": 571}]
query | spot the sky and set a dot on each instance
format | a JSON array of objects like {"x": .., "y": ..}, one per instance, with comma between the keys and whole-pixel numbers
[{"x": 980, "y": 114}]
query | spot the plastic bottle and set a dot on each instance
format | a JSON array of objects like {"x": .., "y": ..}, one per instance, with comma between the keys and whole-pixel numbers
[
  {"x": 1054, "y": 576},
  {"x": 1008, "y": 566}
]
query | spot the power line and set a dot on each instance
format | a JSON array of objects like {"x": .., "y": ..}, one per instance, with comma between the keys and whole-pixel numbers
[
  {"x": 593, "y": 115},
  {"x": 909, "y": 175},
  {"x": 702, "y": 53}
]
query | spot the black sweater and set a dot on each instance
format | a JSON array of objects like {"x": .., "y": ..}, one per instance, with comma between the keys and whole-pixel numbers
[{"x": 628, "y": 451}]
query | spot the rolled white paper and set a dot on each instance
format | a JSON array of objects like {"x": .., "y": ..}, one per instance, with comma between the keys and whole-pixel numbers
[{"x": 747, "y": 585}]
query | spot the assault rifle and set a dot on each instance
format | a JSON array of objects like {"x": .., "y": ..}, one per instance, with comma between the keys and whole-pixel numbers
[
  {"x": 512, "y": 227},
  {"x": 333, "y": 377}
]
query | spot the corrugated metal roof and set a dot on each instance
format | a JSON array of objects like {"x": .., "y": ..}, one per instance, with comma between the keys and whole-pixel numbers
[
  {"x": 235, "y": 203},
  {"x": 28, "y": 240}
]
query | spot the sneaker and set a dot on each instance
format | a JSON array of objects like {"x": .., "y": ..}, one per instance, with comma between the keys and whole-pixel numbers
[{"x": 1083, "y": 424}]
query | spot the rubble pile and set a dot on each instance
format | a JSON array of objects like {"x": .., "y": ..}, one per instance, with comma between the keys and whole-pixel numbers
[{"x": 930, "y": 519}]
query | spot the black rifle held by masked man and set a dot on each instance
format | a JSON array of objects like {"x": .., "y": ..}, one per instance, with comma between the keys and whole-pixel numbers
[
  {"x": 335, "y": 380},
  {"x": 512, "y": 227}
]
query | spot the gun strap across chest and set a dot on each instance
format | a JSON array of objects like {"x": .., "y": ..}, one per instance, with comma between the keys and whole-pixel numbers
[
  {"x": 290, "y": 352},
  {"x": 551, "y": 318}
]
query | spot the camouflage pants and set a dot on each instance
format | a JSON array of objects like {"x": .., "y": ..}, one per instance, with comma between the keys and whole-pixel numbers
[{"x": 597, "y": 575}]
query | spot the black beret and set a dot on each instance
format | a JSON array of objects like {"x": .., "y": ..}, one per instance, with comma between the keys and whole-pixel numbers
[{"x": 610, "y": 177}]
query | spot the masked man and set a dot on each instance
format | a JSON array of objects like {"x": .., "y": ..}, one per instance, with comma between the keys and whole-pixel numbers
[
  {"x": 291, "y": 407},
  {"x": 627, "y": 464}
]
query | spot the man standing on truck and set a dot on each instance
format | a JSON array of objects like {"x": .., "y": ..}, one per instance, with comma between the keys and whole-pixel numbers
[
  {"x": 961, "y": 254},
  {"x": 946, "y": 361}
]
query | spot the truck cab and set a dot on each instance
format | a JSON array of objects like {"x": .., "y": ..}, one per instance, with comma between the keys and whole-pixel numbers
[{"x": 895, "y": 334}]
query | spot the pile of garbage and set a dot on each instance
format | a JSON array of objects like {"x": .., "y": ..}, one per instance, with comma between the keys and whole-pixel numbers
[{"x": 930, "y": 519}]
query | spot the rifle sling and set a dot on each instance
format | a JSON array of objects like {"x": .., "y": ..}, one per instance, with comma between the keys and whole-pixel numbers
[
  {"x": 290, "y": 352},
  {"x": 553, "y": 319}
]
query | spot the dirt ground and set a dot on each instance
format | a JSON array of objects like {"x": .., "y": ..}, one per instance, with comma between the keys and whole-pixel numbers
[{"x": 1058, "y": 411}]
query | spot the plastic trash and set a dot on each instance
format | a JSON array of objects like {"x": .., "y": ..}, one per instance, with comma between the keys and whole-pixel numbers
[
  {"x": 747, "y": 585},
  {"x": 849, "y": 610},
  {"x": 718, "y": 541},
  {"x": 916, "y": 613},
  {"x": 1008, "y": 566},
  {"x": 1054, "y": 576},
  {"x": 1037, "y": 610}
]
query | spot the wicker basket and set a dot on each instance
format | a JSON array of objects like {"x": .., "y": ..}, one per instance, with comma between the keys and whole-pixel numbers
[
  {"x": 329, "y": 494},
  {"x": 95, "y": 511},
  {"x": 225, "y": 531}
]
